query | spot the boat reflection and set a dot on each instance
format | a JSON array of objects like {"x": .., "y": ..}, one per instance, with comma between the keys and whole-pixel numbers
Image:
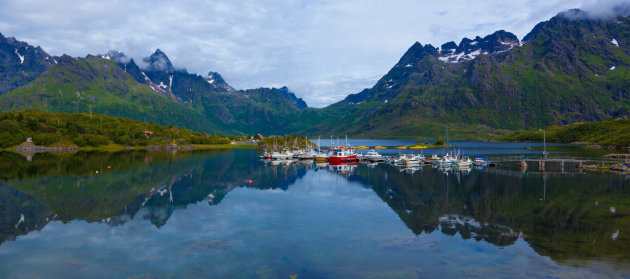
[{"x": 344, "y": 169}]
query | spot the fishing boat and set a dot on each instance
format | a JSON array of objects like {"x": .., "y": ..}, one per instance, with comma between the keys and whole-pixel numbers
[
  {"x": 380, "y": 147},
  {"x": 480, "y": 161},
  {"x": 341, "y": 154}
]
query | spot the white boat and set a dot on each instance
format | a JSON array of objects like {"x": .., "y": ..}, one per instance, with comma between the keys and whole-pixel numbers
[
  {"x": 284, "y": 155},
  {"x": 308, "y": 155},
  {"x": 480, "y": 161},
  {"x": 413, "y": 160},
  {"x": 372, "y": 155},
  {"x": 465, "y": 162},
  {"x": 400, "y": 160},
  {"x": 297, "y": 153}
]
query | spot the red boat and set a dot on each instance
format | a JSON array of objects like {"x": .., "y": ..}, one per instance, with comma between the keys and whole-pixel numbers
[{"x": 342, "y": 154}]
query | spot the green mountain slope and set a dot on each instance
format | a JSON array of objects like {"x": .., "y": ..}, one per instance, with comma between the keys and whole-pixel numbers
[
  {"x": 101, "y": 86},
  {"x": 570, "y": 68}
]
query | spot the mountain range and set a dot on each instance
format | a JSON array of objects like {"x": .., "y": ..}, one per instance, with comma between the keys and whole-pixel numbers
[{"x": 573, "y": 67}]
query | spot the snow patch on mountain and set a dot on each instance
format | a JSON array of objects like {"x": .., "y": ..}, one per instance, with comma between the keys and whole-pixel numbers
[
  {"x": 20, "y": 56},
  {"x": 614, "y": 42}
]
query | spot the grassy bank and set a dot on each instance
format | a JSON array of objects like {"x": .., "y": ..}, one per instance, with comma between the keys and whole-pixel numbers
[
  {"x": 614, "y": 133},
  {"x": 95, "y": 132}
]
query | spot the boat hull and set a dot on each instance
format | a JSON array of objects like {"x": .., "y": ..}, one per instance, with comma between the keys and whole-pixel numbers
[{"x": 341, "y": 159}]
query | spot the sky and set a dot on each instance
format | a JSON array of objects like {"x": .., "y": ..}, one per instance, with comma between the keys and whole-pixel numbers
[{"x": 321, "y": 50}]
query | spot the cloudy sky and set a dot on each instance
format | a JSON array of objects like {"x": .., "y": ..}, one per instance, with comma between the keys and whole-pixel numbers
[{"x": 321, "y": 50}]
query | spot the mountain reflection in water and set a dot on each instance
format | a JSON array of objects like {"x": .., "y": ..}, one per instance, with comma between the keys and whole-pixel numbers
[{"x": 571, "y": 218}]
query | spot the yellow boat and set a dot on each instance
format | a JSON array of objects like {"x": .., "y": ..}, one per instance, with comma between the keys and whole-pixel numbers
[
  {"x": 402, "y": 147},
  {"x": 363, "y": 147},
  {"x": 380, "y": 147}
]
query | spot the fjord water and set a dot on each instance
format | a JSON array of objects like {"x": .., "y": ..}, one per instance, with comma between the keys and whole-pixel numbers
[{"x": 228, "y": 215}]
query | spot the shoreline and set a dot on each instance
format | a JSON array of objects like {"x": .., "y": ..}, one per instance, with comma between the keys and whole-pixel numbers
[{"x": 118, "y": 148}]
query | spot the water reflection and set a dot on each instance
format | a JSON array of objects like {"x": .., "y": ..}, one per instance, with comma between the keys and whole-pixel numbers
[{"x": 571, "y": 218}]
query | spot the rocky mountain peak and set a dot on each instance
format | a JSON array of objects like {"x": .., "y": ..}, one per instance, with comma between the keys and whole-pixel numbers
[
  {"x": 116, "y": 56},
  {"x": 415, "y": 53},
  {"x": 158, "y": 61},
  {"x": 497, "y": 42},
  {"x": 20, "y": 63}
]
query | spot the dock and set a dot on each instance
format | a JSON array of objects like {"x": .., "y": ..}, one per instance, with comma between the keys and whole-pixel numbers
[{"x": 558, "y": 165}]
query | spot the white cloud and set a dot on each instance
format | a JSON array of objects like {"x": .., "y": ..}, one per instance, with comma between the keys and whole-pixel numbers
[{"x": 322, "y": 50}]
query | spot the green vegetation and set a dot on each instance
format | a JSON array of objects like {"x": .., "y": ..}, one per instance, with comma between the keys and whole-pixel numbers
[
  {"x": 605, "y": 133},
  {"x": 85, "y": 130},
  {"x": 97, "y": 85},
  {"x": 439, "y": 143},
  {"x": 292, "y": 141}
]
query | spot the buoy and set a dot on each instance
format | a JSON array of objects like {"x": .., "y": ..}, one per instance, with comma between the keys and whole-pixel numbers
[{"x": 250, "y": 181}]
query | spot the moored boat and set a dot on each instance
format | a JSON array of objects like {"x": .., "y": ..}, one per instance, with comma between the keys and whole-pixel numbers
[
  {"x": 480, "y": 161},
  {"x": 372, "y": 155},
  {"x": 413, "y": 160},
  {"x": 284, "y": 155},
  {"x": 341, "y": 154},
  {"x": 465, "y": 162}
]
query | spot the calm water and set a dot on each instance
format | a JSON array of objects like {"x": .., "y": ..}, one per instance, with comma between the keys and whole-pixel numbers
[{"x": 228, "y": 215}]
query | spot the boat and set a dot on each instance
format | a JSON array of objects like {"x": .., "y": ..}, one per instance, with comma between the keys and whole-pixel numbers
[
  {"x": 363, "y": 147},
  {"x": 480, "y": 161},
  {"x": 400, "y": 160},
  {"x": 308, "y": 155},
  {"x": 372, "y": 155},
  {"x": 284, "y": 155},
  {"x": 413, "y": 160},
  {"x": 266, "y": 155},
  {"x": 380, "y": 147},
  {"x": 465, "y": 162},
  {"x": 341, "y": 154},
  {"x": 297, "y": 152},
  {"x": 433, "y": 158},
  {"x": 445, "y": 161}
]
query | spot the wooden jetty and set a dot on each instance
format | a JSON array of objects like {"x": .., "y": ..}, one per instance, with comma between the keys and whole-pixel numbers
[
  {"x": 624, "y": 156},
  {"x": 546, "y": 164}
]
